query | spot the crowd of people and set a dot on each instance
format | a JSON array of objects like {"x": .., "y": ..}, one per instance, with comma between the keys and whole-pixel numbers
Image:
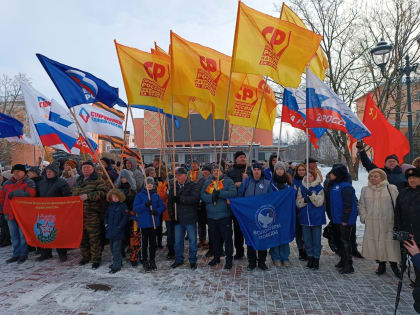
[{"x": 193, "y": 202}]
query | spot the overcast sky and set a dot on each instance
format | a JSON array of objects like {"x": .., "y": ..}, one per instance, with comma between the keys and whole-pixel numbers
[{"x": 81, "y": 33}]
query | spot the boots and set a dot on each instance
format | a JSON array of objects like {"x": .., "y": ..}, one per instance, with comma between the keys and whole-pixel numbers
[
  {"x": 395, "y": 269},
  {"x": 348, "y": 261},
  {"x": 146, "y": 266},
  {"x": 315, "y": 263},
  {"x": 302, "y": 254},
  {"x": 381, "y": 268},
  {"x": 152, "y": 265},
  {"x": 310, "y": 262}
]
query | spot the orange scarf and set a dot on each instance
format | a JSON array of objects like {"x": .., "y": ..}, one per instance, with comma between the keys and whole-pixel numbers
[{"x": 213, "y": 186}]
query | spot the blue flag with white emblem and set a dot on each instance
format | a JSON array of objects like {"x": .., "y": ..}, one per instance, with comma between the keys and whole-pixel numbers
[
  {"x": 79, "y": 87},
  {"x": 267, "y": 221}
]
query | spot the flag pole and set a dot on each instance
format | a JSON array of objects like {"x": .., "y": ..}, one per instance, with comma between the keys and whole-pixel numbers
[
  {"x": 142, "y": 169},
  {"x": 125, "y": 130},
  {"x": 307, "y": 158},
  {"x": 214, "y": 137},
  {"x": 255, "y": 126},
  {"x": 279, "y": 141},
  {"x": 82, "y": 146},
  {"x": 189, "y": 131},
  {"x": 91, "y": 148},
  {"x": 161, "y": 143},
  {"x": 230, "y": 137},
  {"x": 165, "y": 158}
]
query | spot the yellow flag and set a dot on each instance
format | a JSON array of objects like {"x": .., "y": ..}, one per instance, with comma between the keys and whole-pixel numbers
[
  {"x": 147, "y": 79},
  {"x": 201, "y": 72},
  {"x": 195, "y": 104},
  {"x": 269, "y": 46},
  {"x": 247, "y": 100},
  {"x": 319, "y": 62}
]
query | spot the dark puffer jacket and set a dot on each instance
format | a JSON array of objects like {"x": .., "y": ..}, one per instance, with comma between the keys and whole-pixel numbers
[
  {"x": 395, "y": 177},
  {"x": 235, "y": 173},
  {"x": 407, "y": 212},
  {"x": 53, "y": 187},
  {"x": 116, "y": 216},
  {"x": 187, "y": 208}
]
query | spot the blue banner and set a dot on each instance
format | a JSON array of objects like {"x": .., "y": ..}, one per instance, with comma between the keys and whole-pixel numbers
[
  {"x": 79, "y": 87},
  {"x": 10, "y": 127},
  {"x": 267, "y": 221}
]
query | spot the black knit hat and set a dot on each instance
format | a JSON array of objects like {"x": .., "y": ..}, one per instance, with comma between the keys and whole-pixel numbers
[
  {"x": 238, "y": 154},
  {"x": 53, "y": 168},
  {"x": 19, "y": 167},
  {"x": 412, "y": 172},
  {"x": 35, "y": 170},
  {"x": 207, "y": 167},
  {"x": 392, "y": 156},
  {"x": 88, "y": 162}
]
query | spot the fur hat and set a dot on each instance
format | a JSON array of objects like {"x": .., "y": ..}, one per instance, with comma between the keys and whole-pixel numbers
[
  {"x": 238, "y": 154},
  {"x": 88, "y": 162},
  {"x": 281, "y": 164},
  {"x": 392, "y": 156},
  {"x": 19, "y": 167},
  {"x": 412, "y": 172},
  {"x": 71, "y": 163},
  {"x": 117, "y": 193},
  {"x": 380, "y": 172}
]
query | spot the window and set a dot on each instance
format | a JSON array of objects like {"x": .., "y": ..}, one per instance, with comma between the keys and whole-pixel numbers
[
  {"x": 261, "y": 156},
  {"x": 197, "y": 145}
]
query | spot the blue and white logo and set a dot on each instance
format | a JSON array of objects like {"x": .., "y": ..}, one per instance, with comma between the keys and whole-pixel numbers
[
  {"x": 89, "y": 87},
  {"x": 264, "y": 217}
]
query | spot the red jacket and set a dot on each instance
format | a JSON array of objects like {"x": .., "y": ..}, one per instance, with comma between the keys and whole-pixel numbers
[{"x": 12, "y": 188}]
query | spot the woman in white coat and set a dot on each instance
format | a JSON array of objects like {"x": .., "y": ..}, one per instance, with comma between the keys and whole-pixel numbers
[{"x": 376, "y": 210}]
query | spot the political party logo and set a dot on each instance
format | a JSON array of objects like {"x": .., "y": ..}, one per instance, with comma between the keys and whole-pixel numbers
[
  {"x": 44, "y": 228},
  {"x": 264, "y": 217},
  {"x": 209, "y": 74},
  {"x": 43, "y": 103},
  {"x": 89, "y": 87},
  {"x": 84, "y": 114},
  {"x": 157, "y": 82},
  {"x": 277, "y": 43},
  {"x": 245, "y": 101}
]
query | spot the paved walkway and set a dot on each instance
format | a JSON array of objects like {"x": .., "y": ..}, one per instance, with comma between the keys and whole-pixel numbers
[{"x": 60, "y": 288}]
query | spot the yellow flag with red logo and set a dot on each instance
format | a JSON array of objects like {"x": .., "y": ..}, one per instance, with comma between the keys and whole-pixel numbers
[
  {"x": 194, "y": 104},
  {"x": 247, "y": 100},
  {"x": 266, "y": 45},
  {"x": 203, "y": 73},
  {"x": 319, "y": 62},
  {"x": 147, "y": 80}
]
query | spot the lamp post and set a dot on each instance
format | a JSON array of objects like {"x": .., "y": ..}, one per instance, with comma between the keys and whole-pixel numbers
[{"x": 380, "y": 54}]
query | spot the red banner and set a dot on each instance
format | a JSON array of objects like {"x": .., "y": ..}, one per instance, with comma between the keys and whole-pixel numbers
[{"x": 50, "y": 222}]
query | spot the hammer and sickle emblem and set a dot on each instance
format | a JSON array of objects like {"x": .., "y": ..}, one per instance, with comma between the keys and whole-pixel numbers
[{"x": 374, "y": 115}]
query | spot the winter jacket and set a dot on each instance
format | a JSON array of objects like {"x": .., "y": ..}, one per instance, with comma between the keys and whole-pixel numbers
[
  {"x": 144, "y": 218},
  {"x": 130, "y": 179},
  {"x": 128, "y": 188},
  {"x": 407, "y": 212},
  {"x": 312, "y": 211},
  {"x": 13, "y": 188},
  {"x": 235, "y": 173},
  {"x": 162, "y": 191},
  {"x": 377, "y": 213},
  {"x": 252, "y": 187},
  {"x": 53, "y": 187},
  {"x": 36, "y": 180},
  {"x": 395, "y": 177},
  {"x": 137, "y": 174},
  {"x": 96, "y": 190},
  {"x": 280, "y": 182},
  {"x": 187, "y": 208},
  {"x": 116, "y": 218},
  {"x": 343, "y": 203},
  {"x": 268, "y": 172},
  {"x": 221, "y": 209}
]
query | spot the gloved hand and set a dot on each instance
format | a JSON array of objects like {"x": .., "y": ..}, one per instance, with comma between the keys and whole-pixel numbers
[
  {"x": 215, "y": 196},
  {"x": 176, "y": 199},
  {"x": 153, "y": 212},
  {"x": 310, "y": 193},
  {"x": 359, "y": 145},
  {"x": 306, "y": 199},
  {"x": 148, "y": 203}
]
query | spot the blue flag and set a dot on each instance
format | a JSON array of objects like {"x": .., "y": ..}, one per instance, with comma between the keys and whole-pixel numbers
[
  {"x": 10, "y": 127},
  {"x": 268, "y": 220},
  {"x": 79, "y": 87}
]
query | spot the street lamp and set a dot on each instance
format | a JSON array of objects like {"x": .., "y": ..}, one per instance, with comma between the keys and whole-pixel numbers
[{"x": 380, "y": 54}]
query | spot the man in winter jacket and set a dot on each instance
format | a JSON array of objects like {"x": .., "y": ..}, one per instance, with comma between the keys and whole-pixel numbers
[
  {"x": 343, "y": 203},
  {"x": 131, "y": 165},
  {"x": 255, "y": 185},
  {"x": 392, "y": 169},
  {"x": 194, "y": 173},
  {"x": 20, "y": 185},
  {"x": 236, "y": 174},
  {"x": 109, "y": 169},
  {"x": 202, "y": 214},
  {"x": 53, "y": 186},
  {"x": 268, "y": 172},
  {"x": 215, "y": 194},
  {"x": 407, "y": 213},
  {"x": 186, "y": 200},
  {"x": 92, "y": 191}
]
